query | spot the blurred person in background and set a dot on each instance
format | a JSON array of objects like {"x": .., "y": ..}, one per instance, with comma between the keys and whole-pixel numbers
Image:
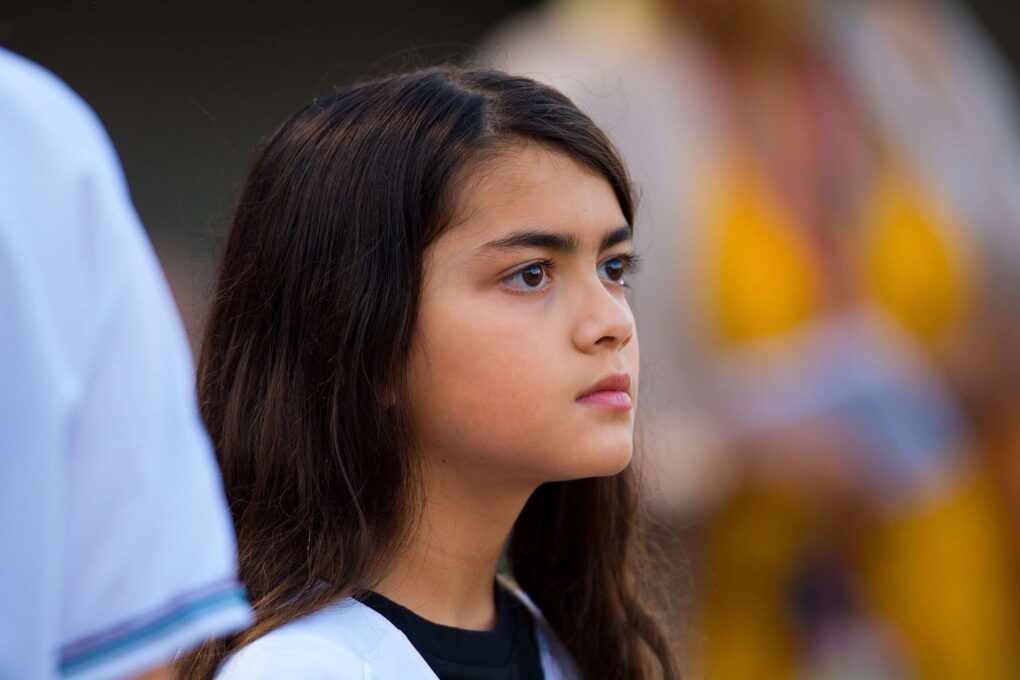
[
  {"x": 829, "y": 316},
  {"x": 117, "y": 545}
]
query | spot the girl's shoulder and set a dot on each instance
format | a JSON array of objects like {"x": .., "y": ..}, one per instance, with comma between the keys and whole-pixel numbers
[
  {"x": 351, "y": 640},
  {"x": 343, "y": 641}
]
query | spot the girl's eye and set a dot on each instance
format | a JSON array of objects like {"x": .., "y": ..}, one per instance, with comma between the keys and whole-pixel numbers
[
  {"x": 532, "y": 277},
  {"x": 616, "y": 269}
]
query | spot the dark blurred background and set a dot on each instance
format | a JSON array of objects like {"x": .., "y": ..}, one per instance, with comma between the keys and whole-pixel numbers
[{"x": 188, "y": 89}]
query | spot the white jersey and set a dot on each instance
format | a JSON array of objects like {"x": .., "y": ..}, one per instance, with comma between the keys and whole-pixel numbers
[
  {"x": 350, "y": 640},
  {"x": 117, "y": 549}
]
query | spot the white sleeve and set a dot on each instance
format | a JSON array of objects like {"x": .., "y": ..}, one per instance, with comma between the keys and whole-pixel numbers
[
  {"x": 150, "y": 562},
  {"x": 129, "y": 550},
  {"x": 150, "y": 551},
  {"x": 291, "y": 656}
]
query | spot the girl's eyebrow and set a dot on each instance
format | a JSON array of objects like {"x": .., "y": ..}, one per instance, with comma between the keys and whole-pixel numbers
[{"x": 565, "y": 243}]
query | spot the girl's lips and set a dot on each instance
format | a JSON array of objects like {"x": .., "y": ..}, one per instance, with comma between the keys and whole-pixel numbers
[
  {"x": 614, "y": 400},
  {"x": 611, "y": 393}
]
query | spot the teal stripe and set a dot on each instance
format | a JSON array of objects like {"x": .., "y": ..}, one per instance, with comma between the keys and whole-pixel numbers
[{"x": 158, "y": 628}]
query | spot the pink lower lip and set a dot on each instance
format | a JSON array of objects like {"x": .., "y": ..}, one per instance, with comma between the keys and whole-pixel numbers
[{"x": 610, "y": 399}]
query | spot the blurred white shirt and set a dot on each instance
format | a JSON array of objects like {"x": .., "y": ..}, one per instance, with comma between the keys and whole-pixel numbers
[{"x": 117, "y": 548}]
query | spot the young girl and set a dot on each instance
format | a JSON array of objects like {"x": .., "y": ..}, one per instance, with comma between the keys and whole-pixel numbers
[{"x": 420, "y": 354}]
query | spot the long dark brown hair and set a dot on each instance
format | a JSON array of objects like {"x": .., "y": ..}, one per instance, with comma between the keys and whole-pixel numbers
[{"x": 302, "y": 365}]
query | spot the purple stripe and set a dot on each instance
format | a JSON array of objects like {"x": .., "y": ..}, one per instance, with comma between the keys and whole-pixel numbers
[{"x": 126, "y": 627}]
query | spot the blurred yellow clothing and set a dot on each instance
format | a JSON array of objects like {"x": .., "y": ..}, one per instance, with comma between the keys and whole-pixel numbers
[
  {"x": 915, "y": 257},
  {"x": 938, "y": 571},
  {"x": 765, "y": 280},
  {"x": 753, "y": 547},
  {"x": 765, "y": 277},
  {"x": 940, "y": 574}
]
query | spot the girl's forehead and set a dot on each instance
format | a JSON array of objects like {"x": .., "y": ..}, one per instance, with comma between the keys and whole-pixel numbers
[{"x": 534, "y": 187}]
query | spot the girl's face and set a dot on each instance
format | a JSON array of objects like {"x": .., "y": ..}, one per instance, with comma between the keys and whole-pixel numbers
[{"x": 525, "y": 365}]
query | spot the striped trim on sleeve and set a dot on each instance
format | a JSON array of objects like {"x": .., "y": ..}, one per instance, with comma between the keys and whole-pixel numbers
[{"x": 152, "y": 627}]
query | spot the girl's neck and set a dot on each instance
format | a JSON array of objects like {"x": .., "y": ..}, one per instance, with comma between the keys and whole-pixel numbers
[{"x": 446, "y": 570}]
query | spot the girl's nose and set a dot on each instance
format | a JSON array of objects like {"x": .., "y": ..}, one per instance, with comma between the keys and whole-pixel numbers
[{"x": 604, "y": 320}]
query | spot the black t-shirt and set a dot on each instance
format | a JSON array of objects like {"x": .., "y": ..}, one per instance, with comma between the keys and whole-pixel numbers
[{"x": 507, "y": 652}]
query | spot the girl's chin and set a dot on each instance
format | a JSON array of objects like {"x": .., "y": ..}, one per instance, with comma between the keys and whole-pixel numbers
[
  {"x": 598, "y": 464},
  {"x": 614, "y": 465}
]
